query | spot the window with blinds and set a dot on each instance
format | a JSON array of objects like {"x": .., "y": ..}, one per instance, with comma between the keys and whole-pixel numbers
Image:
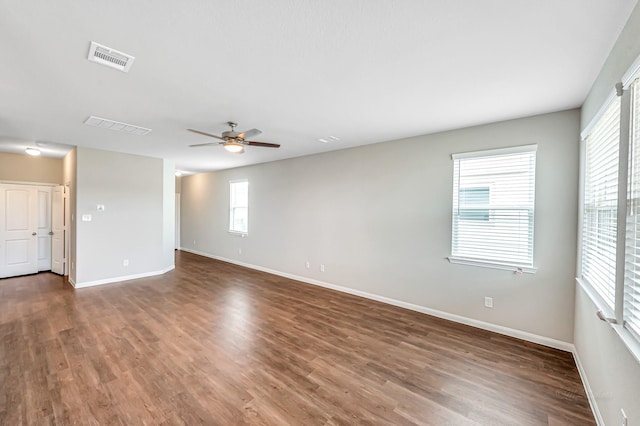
[
  {"x": 631, "y": 311},
  {"x": 239, "y": 206},
  {"x": 493, "y": 206},
  {"x": 600, "y": 209}
]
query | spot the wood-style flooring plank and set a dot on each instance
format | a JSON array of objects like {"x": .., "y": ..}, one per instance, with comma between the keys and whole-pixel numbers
[{"x": 214, "y": 343}]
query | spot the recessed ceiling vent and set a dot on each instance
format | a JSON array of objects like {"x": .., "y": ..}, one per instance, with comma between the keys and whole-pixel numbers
[
  {"x": 110, "y": 57},
  {"x": 116, "y": 125}
]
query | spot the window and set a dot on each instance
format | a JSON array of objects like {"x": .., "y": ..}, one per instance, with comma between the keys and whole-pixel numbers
[
  {"x": 631, "y": 310},
  {"x": 239, "y": 206},
  {"x": 493, "y": 205},
  {"x": 600, "y": 207}
]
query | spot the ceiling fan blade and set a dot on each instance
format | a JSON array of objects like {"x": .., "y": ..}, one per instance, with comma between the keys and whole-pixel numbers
[
  {"x": 249, "y": 133},
  {"x": 206, "y": 144},
  {"x": 205, "y": 134},
  {"x": 263, "y": 144}
]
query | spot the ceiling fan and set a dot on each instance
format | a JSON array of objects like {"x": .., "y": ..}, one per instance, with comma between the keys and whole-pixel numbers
[{"x": 234, "y": 141}]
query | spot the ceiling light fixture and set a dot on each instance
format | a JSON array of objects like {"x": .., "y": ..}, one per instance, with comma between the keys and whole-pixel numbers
[
  {"x": 234, "y": 147},
  {"x": 32, "y": 151},
  {"x": 329, "y": 139}
]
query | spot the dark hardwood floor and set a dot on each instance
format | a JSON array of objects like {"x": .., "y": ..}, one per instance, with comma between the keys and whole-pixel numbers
[{"x": 214, "y": 343}]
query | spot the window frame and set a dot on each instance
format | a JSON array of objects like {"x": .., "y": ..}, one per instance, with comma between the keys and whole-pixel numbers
[
  {"x": 614, "y": 317},
  {"x": 233, "y": 207},
  {"x": 457, "y": 187}
]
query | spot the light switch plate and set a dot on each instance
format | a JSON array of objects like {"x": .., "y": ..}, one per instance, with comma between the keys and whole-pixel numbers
[{"x": 86, "y": 218}]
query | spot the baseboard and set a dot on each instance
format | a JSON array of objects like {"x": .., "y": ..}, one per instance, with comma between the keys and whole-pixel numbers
[
  {"x": 530, "y": 337},
  {"x": 121, "y": 278},
  {"x": 587, "y": 389}
]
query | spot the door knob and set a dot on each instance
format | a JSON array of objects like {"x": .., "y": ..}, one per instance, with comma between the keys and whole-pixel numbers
[
  {"x": 50, "y": 232},
  {"x": 34, "y": 234}
]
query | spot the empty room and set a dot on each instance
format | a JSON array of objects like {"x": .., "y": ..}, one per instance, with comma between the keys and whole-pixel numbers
[{"x": 320, "y": 213}]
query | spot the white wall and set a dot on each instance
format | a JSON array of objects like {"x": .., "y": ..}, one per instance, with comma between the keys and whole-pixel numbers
[
  {"x": 133, "y": 190},
  {"x": 611, "y": 371},
  {"x": 379, "y": 218}
]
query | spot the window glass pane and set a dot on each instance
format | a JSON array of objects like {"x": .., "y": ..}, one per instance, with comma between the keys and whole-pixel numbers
[
  {"x": 631, "y": 311},
  {"x": 239, "y": 206},
  {"x": 600, "y": 209},
  {"x": 474, "y": 203}
]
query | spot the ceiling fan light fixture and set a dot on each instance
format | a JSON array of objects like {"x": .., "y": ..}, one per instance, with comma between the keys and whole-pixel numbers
[
  {"x": 234, "y": 147},
  {"x": 32, "y": 151}
]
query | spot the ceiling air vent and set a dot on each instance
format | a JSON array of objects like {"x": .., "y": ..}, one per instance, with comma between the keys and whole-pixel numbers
[
  {"x": 116, "y": 125},
  {"x": 112, "y": 58}
]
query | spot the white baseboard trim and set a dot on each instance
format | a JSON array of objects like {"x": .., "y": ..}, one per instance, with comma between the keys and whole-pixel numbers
[
  {"x": 530, "y": 337},
  {"x": 587, "y": 389},
  {"x": 121, "y": 278}
]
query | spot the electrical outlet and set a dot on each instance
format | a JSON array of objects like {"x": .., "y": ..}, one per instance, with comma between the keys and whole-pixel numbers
[
  {"x": 125, "y": 262},
  {"x": 239, "y": 251},
  {"x": 321, "y": 268},
  {"x": 625, "y": 420},
  {"x": 307, "y": 264},
  {"x": 488, "y": 302},
  {"x": 194, "y": 242}
]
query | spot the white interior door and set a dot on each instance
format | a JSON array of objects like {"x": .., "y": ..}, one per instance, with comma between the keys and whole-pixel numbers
[
  {"x": 44, "y": 228},
  {"x": 18, "y": 230},
  {"x": 58, "y": 230}
]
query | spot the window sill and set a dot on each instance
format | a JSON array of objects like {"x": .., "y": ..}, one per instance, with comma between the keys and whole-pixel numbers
[
  {"x": 241, "y": 234},
  {"x": 627, "y": 338},
  {"x": 518, "y": 269},
  {"x": 629, "y": 341}
]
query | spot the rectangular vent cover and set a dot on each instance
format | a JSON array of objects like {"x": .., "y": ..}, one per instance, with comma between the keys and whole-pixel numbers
[
  {"x": 116, "y": 125},
  {"x": 110, "y": 57}
]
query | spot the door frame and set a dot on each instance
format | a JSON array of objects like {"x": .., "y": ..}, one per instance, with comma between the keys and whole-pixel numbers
[{"x": 66, "y": 211}]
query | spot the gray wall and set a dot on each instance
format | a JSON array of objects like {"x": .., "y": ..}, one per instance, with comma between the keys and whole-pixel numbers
[
  {"x": 624, "y": 52},
  {"x": 379, "y": 218},
  {"x": 612, "y": 373},
  {"x": 132, "y": 189}
]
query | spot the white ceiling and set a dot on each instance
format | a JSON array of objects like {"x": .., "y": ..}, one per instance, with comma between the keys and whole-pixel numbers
[{"x": 365, "y": 71}]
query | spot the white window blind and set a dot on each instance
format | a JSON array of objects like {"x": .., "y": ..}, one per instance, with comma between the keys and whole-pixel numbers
[
  {"x": 493, "y": 206},
  {"x": 631, "y": 312},
  {"x": 600, "y": 204},
  {"x": 239, "y": 206}
]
